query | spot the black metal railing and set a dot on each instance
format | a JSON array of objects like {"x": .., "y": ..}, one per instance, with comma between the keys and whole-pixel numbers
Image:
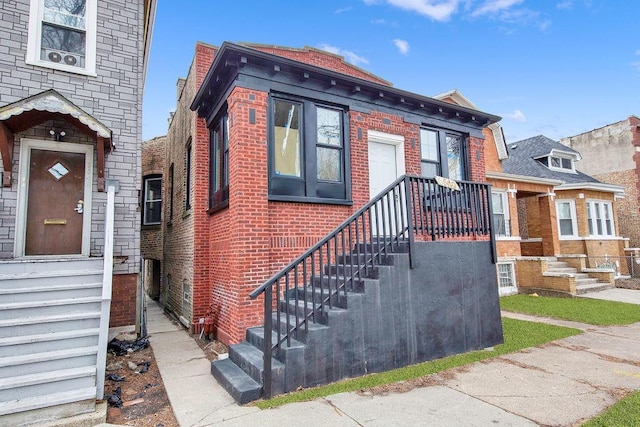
[{"x": 321, "y": 277}]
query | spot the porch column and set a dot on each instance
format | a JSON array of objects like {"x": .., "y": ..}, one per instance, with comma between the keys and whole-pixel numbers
[{"x": 548, "y": 225}]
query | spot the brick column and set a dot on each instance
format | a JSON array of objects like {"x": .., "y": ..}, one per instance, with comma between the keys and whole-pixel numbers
[{"x": 548, "y": 226}]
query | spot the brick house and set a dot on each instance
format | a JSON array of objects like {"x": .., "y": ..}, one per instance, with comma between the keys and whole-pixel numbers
[
  {"x": 151, "y": 232},
  {"x": 556, "y": 227},
  {"x": 71, "y": 83},
  {"x": 611, "y": 154},
  {"x": 289, "y": 166}
]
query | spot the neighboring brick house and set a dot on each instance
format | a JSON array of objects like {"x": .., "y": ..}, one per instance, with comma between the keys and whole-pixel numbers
[
  {"x": 612, "y": 154},
  {"x": 71, "y": 83},
  {"x": 553, "y": 223},
  {"x": 153, "y": 152}
]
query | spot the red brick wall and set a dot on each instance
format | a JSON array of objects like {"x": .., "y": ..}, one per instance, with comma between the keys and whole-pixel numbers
[
  {"x": 123, "y": 300},
  {"x": 152, "y": 164},
  {"x": 320, "y": 58}
]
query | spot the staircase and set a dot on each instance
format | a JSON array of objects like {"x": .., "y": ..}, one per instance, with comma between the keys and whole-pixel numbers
[
  {"x": 49, "y": 328},
  {"x": 584, "y": 283},
  {"x": 358, "y": 302},
  {"x": 314, "y": 354}
]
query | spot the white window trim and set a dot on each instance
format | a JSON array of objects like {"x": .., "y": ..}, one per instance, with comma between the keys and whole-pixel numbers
[
  {"x": 591, "y": 208},
  {"x": 507, "y": 290},
  {"x": 561, "y": 169},
  {"x": 144, "y": 204},
  {"x": 574, "y": 222},
  {"x": 35, "y": 38},
  {"x": 505, "y": 207}
]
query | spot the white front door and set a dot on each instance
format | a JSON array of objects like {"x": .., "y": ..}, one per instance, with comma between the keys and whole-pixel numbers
[{"x": 386, "y": 164}]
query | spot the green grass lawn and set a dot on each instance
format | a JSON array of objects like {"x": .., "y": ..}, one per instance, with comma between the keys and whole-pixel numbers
[
  {"x": 624, "y": 413},
  {"x": 585, "y": 310},
  {"x": 517, "y": 335}
]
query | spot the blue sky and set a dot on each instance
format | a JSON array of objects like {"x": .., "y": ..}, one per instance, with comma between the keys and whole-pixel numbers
[{"x": 552, "y": 67}]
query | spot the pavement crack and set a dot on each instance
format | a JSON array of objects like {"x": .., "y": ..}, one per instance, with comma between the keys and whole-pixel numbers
[
  {"x": 341, "y": 412},
  {"x": 523, "y": 365}
]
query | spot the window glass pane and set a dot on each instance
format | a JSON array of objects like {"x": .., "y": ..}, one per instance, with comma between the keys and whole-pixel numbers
[
  {"x": 329, "y": 128},
  {"x": 287, "y": 144},
  {"x": 555, "y": 162},
  {"x": 607, "y": 219},
  {"x": 153, "y": 189},
  {"x": 70, "y": 13},
  {"x": 61, "y": 39},
  {"x": 217, "y": 160},
  {"x": 589, "y": 218},
  {"x": 428, "y": 169},
  {"x": 505, "y": 275},
  {"x": 598, "y": 218},
  {"x": 328, "y": 164},
  {"x": 497, "y": 203},
  {"x": 566, "y": 227},
  {"x": 566, "y": 163},
  {"x": 429, "y": 145},
  {"x": 454, "y": 144},
  {"x": 564, "y": 210}
]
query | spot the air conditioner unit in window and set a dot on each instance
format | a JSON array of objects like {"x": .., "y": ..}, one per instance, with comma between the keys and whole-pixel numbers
[
  {"x": 71, "y": 59},
  {"x": 54, "y": 56}
]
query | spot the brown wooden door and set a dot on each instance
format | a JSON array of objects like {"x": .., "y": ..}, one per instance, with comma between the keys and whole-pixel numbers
[{"x": 55, "y": 203}]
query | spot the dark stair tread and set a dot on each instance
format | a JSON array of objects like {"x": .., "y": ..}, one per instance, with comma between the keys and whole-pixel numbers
[
  {"x": 253, "y": 355},
  {"x": 235, "y": 381},
  {"x": 258, "y": 333}
]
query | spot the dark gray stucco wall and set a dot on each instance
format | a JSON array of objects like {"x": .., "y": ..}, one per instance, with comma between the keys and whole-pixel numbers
[{"x": 448, "y": 304}]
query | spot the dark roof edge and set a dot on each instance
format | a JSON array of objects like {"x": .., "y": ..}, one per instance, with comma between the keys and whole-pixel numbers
[{"x": 228, "y": 47}]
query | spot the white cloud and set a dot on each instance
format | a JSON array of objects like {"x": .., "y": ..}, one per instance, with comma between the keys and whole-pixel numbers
[
  {"x": 517, "y": 116},
  {"x": 343, "y": 10},
  {"x": 566, "y": 5},
  {"x": 351, "y": 57},
  {"x": 495, "y": 6},
  {"x": 379, "y": 21},
  {"x": 438, "y": 10},
  {"x": 402, "y": 45}
]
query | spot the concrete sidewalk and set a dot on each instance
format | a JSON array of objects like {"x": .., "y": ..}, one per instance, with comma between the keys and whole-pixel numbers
[{"x": 560, "y": 383}]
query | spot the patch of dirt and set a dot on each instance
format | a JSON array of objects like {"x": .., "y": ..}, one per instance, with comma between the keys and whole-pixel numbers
[
  {"x": 212, "y": 348},
  {"x": 144, "y": 399},
  {"x": 408, "y": 385}
]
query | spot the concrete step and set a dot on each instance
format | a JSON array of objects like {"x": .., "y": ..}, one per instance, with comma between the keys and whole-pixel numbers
[
  {"x": 250, "y": 360},
  {"x": 594, "y": 287},
  {"x": 42, "y": 384},
  {"x": 586, "y": 281},
  {"x": 563, "y": 270},
  {"x": 235, "y": 381},
  {"x": 35, "y": 363},
  {"x": 49, "y": 279},
  {"x": 43, "y": 401},
  {"x": 255, "y": 336}
]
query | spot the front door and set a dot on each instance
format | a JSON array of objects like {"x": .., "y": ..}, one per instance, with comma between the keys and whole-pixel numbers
[
  {"x": 56, "y": 204},
  {"x": 384, "y": 168}
]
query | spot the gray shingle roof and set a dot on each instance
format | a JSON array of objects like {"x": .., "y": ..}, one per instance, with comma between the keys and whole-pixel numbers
[{"x": 522, "y": 160}]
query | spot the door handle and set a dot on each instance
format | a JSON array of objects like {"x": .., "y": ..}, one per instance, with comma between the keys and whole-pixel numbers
[{"x": 79, "y": 207}]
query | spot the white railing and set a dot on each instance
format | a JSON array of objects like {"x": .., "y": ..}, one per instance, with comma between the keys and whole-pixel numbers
[{"x": 107, "y": 280}]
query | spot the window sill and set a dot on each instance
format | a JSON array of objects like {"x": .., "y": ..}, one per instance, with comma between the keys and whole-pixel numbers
[
  {"x": 316, "y": 200},
  {"x": 217, "y": 208},
  {"x": 154, "y": 226},
  {"x": 186, "y": 214},
  {"x": 62, "y": 67}
]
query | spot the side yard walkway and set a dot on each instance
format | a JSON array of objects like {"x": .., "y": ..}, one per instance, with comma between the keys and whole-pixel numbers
[{"x": 561, "y": 384}]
